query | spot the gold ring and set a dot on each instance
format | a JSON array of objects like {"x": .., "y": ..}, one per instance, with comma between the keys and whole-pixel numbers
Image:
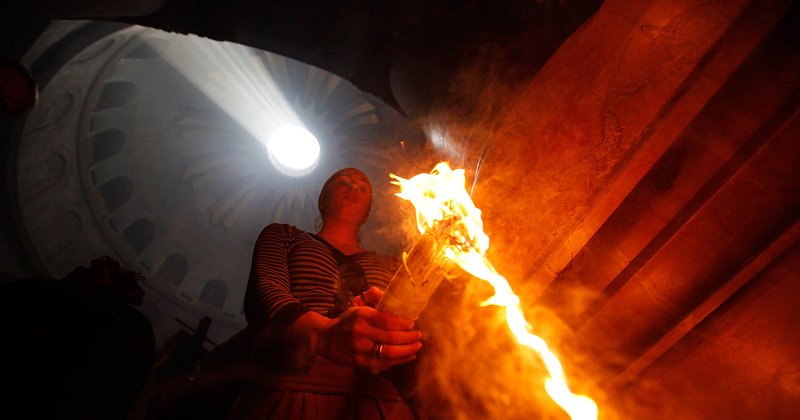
[{"x": 377, "y": 348}]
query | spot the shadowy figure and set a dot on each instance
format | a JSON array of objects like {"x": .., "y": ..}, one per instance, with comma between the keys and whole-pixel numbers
[
  {"x": 74, "y": 347},
  {"x": 174, "y": 390},
  {"x": 19, "y": 92}
]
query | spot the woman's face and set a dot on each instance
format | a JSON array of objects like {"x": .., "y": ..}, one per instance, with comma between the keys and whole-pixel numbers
[{"x": 348, "y": 197}]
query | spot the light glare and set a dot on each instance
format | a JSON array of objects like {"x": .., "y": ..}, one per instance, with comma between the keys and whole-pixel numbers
[
  {"x": 236, "y": 79},
  {"x": 293, "y": 150}
]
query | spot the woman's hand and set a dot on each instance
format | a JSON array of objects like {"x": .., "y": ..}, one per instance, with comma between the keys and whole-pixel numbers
[
  {"x": 365, "y": 337},
  {"x": 360, "y": 336}
]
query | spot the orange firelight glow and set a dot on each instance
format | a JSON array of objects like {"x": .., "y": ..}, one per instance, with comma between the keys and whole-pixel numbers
[{"x": 442, "y": 203}]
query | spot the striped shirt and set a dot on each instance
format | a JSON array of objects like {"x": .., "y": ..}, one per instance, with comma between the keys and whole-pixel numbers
[{"x": 294, "y": 272}]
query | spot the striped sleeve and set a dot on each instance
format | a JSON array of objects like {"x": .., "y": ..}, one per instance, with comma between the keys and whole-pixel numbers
[{"x": 268, "y": 298}]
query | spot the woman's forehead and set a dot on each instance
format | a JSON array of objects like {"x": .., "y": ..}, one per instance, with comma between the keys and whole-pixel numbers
[{"x": 354, "y": 173}]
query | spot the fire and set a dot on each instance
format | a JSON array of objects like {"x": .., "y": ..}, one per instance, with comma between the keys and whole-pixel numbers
[{"x": 442, "y": 203}]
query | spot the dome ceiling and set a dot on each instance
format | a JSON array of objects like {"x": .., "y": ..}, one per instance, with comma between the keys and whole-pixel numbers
[{"x": 126, "y": 156}]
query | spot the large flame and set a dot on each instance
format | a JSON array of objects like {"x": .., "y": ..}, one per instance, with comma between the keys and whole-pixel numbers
[{"x": 442, "y": 203}]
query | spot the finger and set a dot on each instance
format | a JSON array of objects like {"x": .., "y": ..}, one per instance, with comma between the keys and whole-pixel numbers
[
  {"x": 372, "y": 296},
  {"x": 395, "y": 337},
  {"x": 359, "y": 301},
  {"x": 385, "y": 352},
  {"x": 393, "y": 352},
  {"x": 388, "y": 321},
  {"x": 362, "y": 328},
  {"x": 371, "y": 349}
]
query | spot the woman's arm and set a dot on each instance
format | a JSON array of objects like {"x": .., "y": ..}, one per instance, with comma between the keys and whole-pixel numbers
[{"x": 268, "y": 300}]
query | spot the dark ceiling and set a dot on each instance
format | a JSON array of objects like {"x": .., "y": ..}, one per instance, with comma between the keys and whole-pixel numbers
[{"x": 408, "y": 53}]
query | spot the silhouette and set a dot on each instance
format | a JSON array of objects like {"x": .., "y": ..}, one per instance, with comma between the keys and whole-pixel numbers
[
  {"x": 19, "y": 92},
  {"x": 74, "y": 347}
]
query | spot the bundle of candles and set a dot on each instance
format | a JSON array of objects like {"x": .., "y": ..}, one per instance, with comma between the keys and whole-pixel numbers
[
  {"x": 452, "y": 233},
  {"x": 424, "y": 267}
]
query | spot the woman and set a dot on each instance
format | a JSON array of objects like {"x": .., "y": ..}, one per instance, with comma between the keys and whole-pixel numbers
[{"x": 308, "y": 299}]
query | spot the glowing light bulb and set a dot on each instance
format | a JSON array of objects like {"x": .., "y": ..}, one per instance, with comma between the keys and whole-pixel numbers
[{"x": 293, "y": 150}]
